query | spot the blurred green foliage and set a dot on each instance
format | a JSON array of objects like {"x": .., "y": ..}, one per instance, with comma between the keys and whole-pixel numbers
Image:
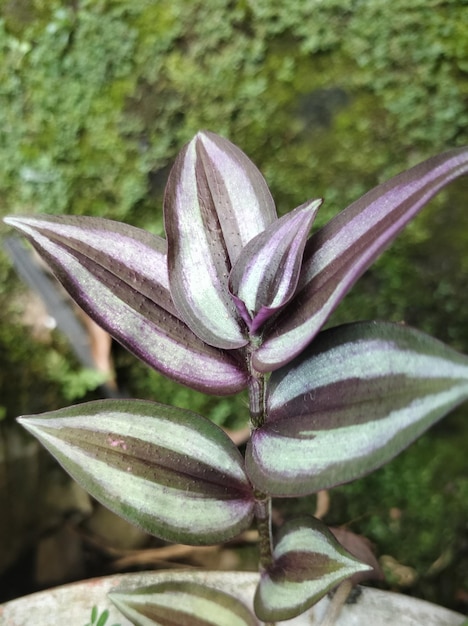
[
  {"x": 99, "y": 619},
  {"x": 415, "y": 509},
  {"x": 328, "y": 97}
]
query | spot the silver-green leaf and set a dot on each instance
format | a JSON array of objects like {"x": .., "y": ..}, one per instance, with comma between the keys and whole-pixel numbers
[
  {"x": 265, "y": 276},
  {"x": 357, "y": 397},
  {"x": 338, "y": 254},
  {"x": 182, "y": 603},
  {"x": 307, "y": 562},
  {"x": 170, "y": 471},
  {"x": 118, "y": 276},
  {"x": 216, "y": 201}
]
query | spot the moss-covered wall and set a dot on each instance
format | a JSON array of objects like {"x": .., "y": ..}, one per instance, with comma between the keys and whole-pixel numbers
[{"x": 326, "y": 96}]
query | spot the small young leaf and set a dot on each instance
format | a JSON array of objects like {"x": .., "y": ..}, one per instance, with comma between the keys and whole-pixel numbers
[
  {"x": 118, "y": 275},
  {"x": 180, "y": 603},
  {"x": 216, "y": 201},
  {"x": 307, "y": 563},
  {"x": 338, "y": 254},
  {"x": 170, "y": 471},
  {"x": 103, "y": 618},
  {"x": 265, "y": 276},
  {"x": 359, "y": 395}
]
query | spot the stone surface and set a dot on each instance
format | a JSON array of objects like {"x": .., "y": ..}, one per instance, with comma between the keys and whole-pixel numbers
[{"x": 72, "y": 604}]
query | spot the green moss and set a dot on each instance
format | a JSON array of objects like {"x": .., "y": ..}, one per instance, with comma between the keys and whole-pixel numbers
[{"x": 114, "y": 89}]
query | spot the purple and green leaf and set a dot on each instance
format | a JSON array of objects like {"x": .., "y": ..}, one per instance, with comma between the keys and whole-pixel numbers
[
  {"x": 118, "y": 275},
  {"x": 182, "y": 603},
  {"x": 307, "y": 562},
  {"x": 338, "y": 254},
  {"x": 358, "y": 396},
  {"x": 216, "y": 201},
  {"x": 265, "y": 276},
  {"x": 170, "y": 471}
]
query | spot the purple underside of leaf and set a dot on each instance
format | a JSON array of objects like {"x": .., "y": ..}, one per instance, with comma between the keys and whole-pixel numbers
[
  {"x": 358, "y": 396},
  {"x": 216, "y": 201},
  {"x": 265, "y": 276},
  {"x": 118, "y": 275},
  {"x": 337, "y": 255},
  {"x": 170, "y": 471}
]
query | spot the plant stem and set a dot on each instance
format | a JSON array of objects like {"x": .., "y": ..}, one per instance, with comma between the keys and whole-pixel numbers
[
  {"x": 262, "y": 500},
  {"x": 263, "y": 518},
  {"x": 257, "y": 399}
]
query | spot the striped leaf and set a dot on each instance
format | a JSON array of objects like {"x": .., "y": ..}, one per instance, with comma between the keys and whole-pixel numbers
[
  {"x": 182, "y": 603},
  {"x": 357, "y": 397},
  {"x": 118, "y": 275},
  {"x": 307, "y": 562},
  {"x": 337, "y": 255},
  {"x": 216, "y": 201},
  {"x": 265, "y": 276},
  {"x": 167, "y": 470}
]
